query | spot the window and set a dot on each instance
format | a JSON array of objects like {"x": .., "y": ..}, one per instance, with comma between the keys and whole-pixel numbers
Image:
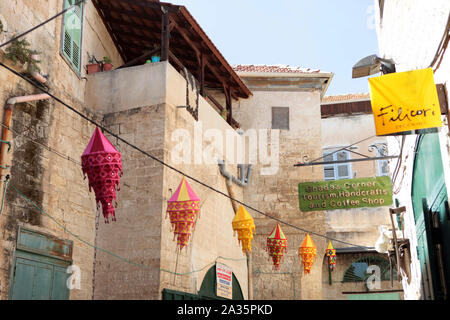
[
  {"x": 72, "y": 35},
  {"x": 357, "y": 271},
  {"x": 383, "y": 165},
  {"x": 280, "y": 118},
  {"x": 336, "y": 171}
]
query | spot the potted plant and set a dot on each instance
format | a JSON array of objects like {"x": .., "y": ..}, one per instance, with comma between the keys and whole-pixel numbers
[
  {"x": 19, "y": 51},
  {"x": 107, "y": 64},
  {"x": 94, "y": 65}
]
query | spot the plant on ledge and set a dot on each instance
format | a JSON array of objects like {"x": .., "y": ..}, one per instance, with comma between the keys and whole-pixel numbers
[
  {"x": 19, "y": 51},
  {"x": 107, "y": 64},
  {"x": 94, "y": 65}
]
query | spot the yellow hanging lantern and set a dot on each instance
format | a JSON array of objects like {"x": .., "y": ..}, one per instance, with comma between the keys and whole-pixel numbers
[
  {"x": 244, "y": 225},
  {"x": 308, "y": 253}
]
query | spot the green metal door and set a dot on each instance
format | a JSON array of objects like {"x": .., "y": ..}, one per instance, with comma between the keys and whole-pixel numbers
[
  {"x": 430, "y": 204},
  {"x": 375, "y": 296},
  {"x": 39, "y": 278},
  {"x": 40, "y": 264}
]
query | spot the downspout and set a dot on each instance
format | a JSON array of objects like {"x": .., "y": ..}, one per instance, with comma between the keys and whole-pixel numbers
[
  {"x": 7, "y": 116},
  {"x": 242, "y": 182}
]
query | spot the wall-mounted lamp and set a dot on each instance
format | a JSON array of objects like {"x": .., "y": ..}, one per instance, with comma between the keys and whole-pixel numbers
[{"x": 371, "y": 65}]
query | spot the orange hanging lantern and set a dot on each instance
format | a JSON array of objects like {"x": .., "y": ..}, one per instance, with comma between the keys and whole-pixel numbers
[
  {"x": 308, "y": 253},
  {"x": 331, "y": 254},
  {"x": 244, "y": 225},
  {"x": 183, "y": 209},
  {"x": 276, "y": 245}
]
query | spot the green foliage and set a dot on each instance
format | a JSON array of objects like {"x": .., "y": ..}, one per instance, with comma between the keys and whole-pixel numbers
[
  {"x": 19, "y": 51},
  {"x": 107, "y": 60}
]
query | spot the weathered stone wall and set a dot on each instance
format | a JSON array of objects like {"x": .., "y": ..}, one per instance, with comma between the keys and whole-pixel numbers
[
  {"x": 358, "y": 226},
  {"x": 276, "y": 193},
  {"x": 142, "y": 233},
  {"x": 136, "y": 235},
  {"x": 48, "y": 178},
  {"x": 213, "y": 237}
]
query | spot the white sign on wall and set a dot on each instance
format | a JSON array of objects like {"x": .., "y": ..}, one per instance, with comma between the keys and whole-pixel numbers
[{"x": 224, "y": 280}]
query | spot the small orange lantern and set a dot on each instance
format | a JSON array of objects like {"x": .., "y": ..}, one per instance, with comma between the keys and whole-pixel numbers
[
  {"x": 183, "y": 209},
  {"x": 276, "y": 245},
  {"x": 244, "y": 225},
  {"x": 308, "y": 253}
]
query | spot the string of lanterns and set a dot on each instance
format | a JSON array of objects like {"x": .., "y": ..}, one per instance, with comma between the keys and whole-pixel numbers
[{"x": 101, "y": 163}]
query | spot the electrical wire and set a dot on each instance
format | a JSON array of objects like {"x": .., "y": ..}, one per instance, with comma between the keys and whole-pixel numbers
[
  {"x": 442, "y": 47},
  {"x": 171, "y": 167},
  {"x": 41, "y": 24},
  {"x": 31, "y": 202},
  {"x": 139, "y": 149}
]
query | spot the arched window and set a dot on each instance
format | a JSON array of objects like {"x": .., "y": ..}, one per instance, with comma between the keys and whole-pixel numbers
[{"x": 357, "y": 271}]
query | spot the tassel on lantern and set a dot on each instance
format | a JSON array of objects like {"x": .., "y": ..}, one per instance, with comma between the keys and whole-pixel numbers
[
  {"x": 102, "y": 164},
  {"x": 244, "y": 225},
  {"x": 331, "y": 254},
  {"x": 183, "y": 209},
  {"x": 276, "y": 245},
  {"x": 307, "y": 252}
]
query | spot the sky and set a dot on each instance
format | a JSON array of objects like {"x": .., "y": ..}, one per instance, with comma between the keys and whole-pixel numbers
[{"x": 330, "y": 35}]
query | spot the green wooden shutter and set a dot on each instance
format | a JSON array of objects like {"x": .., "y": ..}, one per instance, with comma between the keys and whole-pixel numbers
[
  {"x": 71, "y": 42},
  {"x": 38, "y": 277}
]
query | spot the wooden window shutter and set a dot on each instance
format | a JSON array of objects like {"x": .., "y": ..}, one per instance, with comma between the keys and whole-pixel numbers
[{"x": 71, "y": 44}]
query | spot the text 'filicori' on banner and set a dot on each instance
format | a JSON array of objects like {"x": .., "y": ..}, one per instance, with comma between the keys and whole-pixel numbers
[{"x": 405, "y": 101}]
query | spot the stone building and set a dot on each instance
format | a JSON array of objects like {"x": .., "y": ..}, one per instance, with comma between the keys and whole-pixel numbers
[
  {"x": 346, "y": 120},
  {"x": 53, "y": 222},
  {"x": 191, "y": 111},
  {"x": 414, "y": 35}
]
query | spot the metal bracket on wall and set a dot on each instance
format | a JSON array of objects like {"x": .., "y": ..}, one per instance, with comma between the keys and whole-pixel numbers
[
  {"x": 380, "y": 147},
  {"x": 8, "y": 143}
]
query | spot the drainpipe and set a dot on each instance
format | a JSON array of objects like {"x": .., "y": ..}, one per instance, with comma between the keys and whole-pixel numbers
[
  {"x": 36, "y": 74},
  {"x": 243, "y": 181},
  {"x": 7, "y": 116}
]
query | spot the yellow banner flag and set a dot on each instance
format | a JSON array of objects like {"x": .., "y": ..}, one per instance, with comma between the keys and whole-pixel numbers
[{"x": 405, "y": 101}]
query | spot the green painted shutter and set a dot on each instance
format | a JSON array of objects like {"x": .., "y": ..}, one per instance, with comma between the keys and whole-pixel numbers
[
  {"x": 71, "y": 42},
  {"x": 429, "y": 198},
  {"x": 39, "y": 278}
]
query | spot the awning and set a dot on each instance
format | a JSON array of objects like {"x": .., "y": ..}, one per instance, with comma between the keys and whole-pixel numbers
[{"x": 138, "y": 26}]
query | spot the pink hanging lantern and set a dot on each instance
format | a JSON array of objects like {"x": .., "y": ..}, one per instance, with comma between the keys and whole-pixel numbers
[
  {"x": 102, "y": 164},
  {"x": 183, "y": 209}
]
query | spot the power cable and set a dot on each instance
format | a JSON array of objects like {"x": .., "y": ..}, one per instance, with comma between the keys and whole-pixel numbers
[
  {"x": 139, "y": 149},
  {"x": 31, "y": 202},
  {"x": 41, "y": 24},
  {"x": 168, "y": 165},
  {"x": 442, "y": 47}
]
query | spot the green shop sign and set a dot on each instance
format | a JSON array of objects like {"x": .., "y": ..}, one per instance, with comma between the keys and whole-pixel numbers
[{"x": 345, "y": 194}]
